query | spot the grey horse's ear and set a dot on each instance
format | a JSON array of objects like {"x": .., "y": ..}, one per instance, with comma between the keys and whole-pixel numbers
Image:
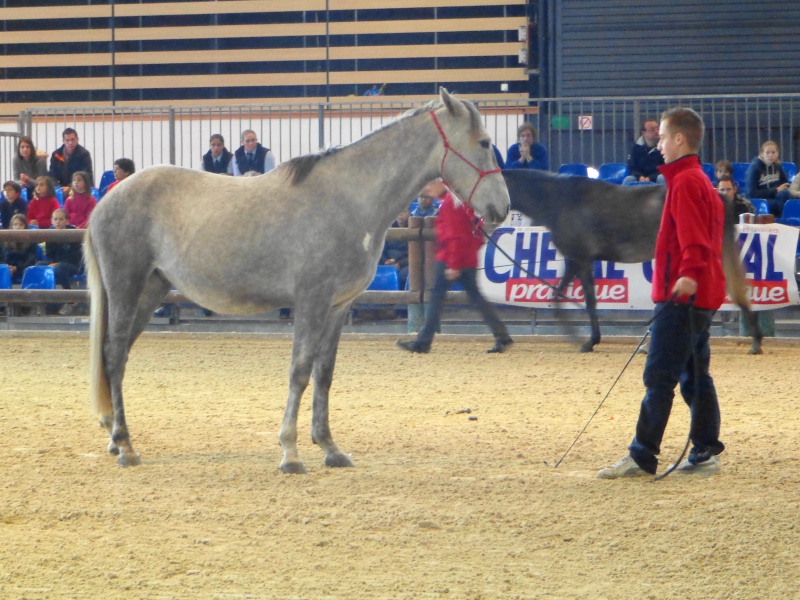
[{"x": 452, "y": 105}]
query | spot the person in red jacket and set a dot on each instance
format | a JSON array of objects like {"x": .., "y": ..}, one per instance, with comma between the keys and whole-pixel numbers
[
  {"x": 688, "y": 288},
  {"x": 457, "y": 244},
  {"x": 40, "y": 209}
]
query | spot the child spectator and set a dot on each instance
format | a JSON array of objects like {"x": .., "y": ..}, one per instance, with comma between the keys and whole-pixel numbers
[
  {"x": 767, "y": 179},
  {"x": 427, "y": 205},
  {"x": 527, "y": 153},
  {"x": 81, "y": 203},
  {"x": 13, "y": 204},
  {"x": 18, "y": 255},
  {"x": 40, "y": 209},
  {"x": 28, "y": 165},
  {"x": 123, "y": 168},
  {"x": 64, "y": 257},
  {"x": 722, "y": 168}
]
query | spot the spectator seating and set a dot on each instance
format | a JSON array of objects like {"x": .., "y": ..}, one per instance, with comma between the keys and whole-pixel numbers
[
  {"x": 385, "y": 279},
  {"x": 39, "y": 278},
  {"x": 106, "y": 179},
  {"x": 24, "y": 194},
  {"x": 740, "y": 175},
  {"x": 761, "y": 206},
  {"x": 574, "y": 169},
  {"x": 790, "y": 169},
  {"x": 5, "y": 277},
  {"x": 708, "y": 169},
  {"x": 612, "y": 172},
  {"x": 791, "y": 210},
  {"x": 60, "y": 196}
]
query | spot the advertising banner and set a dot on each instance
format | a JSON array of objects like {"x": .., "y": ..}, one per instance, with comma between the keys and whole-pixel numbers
[{"x": 523, "y": 265}]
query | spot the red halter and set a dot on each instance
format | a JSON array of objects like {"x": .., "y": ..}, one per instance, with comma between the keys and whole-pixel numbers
[{"x": 448, "y": 148}]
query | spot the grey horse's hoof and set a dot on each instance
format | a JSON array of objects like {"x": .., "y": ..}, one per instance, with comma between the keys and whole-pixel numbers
[
  {"x": 112, "y": 448},
  {"x": 129, "y": 460},
  {"x": 294, "y": 468},
  {"x": 338, "y": 460}
]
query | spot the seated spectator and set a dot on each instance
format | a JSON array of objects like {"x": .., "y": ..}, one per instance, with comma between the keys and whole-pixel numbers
[
  {"x": 396, "y": 253},
  {"x": 70, "y": 158},
  {"x": 13, "y": 203},
  {"x": 794, "y": 189},
  {"x": 721, "y": 168},
  {"x": 65, "y": 257},
  {"x": 729, "y": 190},
  {"x": 527, "y": 153},
  {"x": 18, "y": 255},
  {"x": 28, "y": 165},
  {"x": 427, "y": 205},
  {"x": 41, "y": 207},
  {"x": 218, "y": 159},
  {"x": 252, "y": 157},
  {"x": 81, "y": 203},
  {"x": 645, "y": 158},
  {"x": 767, "y": 179},
  {"x": 123, "y": 168}
]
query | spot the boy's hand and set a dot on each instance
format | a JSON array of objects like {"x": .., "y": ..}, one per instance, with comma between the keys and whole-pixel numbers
[{"x": 685, "y": 286}]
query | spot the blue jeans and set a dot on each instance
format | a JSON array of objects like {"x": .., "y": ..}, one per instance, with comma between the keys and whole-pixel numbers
[
  {"x": 440, "y": 287},
  {"x": 677, "y": 356}
]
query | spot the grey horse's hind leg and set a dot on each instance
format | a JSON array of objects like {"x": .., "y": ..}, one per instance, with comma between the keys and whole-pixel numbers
[
  {"x": 753, "y": 328},
  {"x": 116, "y": 349},
  {"x": 323, "y": 376}
]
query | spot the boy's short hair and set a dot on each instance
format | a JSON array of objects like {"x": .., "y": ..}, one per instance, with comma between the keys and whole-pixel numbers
[
  {"x": 725, "y": 165},
  {"x": 68, "y": 131},
  {"x": 686, "y": 121},
  {"x": 13, "y": 185},
  {"x": 126, "y": 164},
  {"x": 728, "y": 178},
  {"x": 61, "y": 210}
]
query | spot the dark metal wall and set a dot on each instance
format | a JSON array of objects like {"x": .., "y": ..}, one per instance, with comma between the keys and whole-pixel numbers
[{"x": 624, "y": 48}]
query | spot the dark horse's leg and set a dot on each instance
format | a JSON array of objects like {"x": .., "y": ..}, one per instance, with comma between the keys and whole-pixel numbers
[
  {"x": 574, "y": 269},
  {"x": 323, "y": 376},
  {"x": 123, "y": 330}
]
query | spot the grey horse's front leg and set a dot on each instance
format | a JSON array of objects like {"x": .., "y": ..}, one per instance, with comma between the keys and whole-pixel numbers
[{"x": 323, "y": 376}]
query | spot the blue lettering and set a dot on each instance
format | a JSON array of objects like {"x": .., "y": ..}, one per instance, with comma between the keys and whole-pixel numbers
[
  {"x": 491, "y": 273},
  {"x": 752, "y": 259},
  {"x": 610, "y": 271},
  {"x": 647, "y": 270},
  {"x": 548, "y": 255},
  {"x": 525, "y": 254},
  {"x": 772, "y": 274}
]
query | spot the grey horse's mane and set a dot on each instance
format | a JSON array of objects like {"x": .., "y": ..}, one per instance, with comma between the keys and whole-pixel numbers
[{"x": 298, "y": 169}]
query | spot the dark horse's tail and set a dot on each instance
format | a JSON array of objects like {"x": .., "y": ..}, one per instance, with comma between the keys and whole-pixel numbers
[
  {"x": 99, "y": 391},
  {"x": 735, "y": 278}
]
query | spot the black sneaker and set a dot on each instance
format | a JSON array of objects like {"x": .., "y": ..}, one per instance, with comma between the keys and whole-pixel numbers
[
  {"x": 413, "y": 346},
  {"x": 500, "y": 346}
]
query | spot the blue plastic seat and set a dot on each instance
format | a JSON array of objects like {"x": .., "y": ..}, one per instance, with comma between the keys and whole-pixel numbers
[
  {"x": 790, "y": 169},
  {"x": 761, "y": 206},
  {"x": 740, "y": 175},
  {"x": 708, "y": 169},
  {"x": 385, "y": 279},
  {"x": 106, "y": 179},
  {"x": 24, "y": 194},
  {"x": 612, "y": 172},
  {"x": 791, "y": 210},
  {"x": 60, "y": 196},
  {"x": 574, "y": 169},
  {"x": 39, "y": 278},
  {"x": 40, "y": 252},
  {"x": 5, "y": 277}
]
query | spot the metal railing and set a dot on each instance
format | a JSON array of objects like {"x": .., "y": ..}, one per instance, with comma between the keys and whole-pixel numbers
[{"x": 586, "y": 130}]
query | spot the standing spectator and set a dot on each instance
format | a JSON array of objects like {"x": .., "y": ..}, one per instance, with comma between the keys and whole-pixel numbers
[
  {"x": 123, "y": 168},
  {"x": 27, "y": 165},
  {"x": 69, "y": 159},
  {"x": 218, "y": 159},
  {"x": 13, "y": 204},
  {"x": 64, "y": 257},
  {"x": 18, "y": 255},
  {"x": 688, "y": 289},
  {"x": 457, "y": 245},
  {"x": 766, "y": 178},
  {"x": 527, "y": 153},
  {"x": 81, "y": 203},
  {"x": 40, "y": 209},
  {"x": 252, "y": 157},
  {"x": 644, "y": 159},
  {"x": 396, "y": 253},
  {"x": 729, "y": 190}
]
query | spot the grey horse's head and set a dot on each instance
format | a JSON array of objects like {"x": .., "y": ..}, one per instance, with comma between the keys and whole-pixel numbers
[{"x": 469, "y": 165}]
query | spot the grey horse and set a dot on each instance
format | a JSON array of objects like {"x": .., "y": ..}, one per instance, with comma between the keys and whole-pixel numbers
[
  {"x": 594, "y": 220},
  {"x": 306, "y": 235}
]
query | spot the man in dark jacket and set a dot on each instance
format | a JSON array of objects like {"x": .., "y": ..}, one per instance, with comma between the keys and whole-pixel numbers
[
  {"x": 69, "y": 159},
  {"x": 644, "y": 159}
]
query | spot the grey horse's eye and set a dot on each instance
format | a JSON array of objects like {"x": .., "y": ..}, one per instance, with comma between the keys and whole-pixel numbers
[{"x": 485, "y": 143}]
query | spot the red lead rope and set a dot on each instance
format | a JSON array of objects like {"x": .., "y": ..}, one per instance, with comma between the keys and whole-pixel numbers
[{"x": 448, "y": 148}]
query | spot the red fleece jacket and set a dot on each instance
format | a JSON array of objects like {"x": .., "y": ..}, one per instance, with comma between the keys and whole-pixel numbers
[
  {"x": 457, "y": 241},
  {"x": 689, "y": 240}
]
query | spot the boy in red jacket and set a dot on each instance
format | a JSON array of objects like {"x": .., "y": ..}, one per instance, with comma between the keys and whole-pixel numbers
[
  {"x": 457, "y": 244},
  {"x": 688, "y": 288}
]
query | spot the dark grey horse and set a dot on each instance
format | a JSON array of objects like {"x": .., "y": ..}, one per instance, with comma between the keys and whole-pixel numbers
[
  {"x": 593, "y": 220},
  {"x": 307, "y": 235}
]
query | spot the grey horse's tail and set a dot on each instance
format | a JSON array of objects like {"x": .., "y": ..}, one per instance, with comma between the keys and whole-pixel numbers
[{"x": 99, "y": 391}]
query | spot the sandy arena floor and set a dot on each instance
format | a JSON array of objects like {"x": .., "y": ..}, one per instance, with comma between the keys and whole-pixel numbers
[{"x": 438, "y": 506}]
